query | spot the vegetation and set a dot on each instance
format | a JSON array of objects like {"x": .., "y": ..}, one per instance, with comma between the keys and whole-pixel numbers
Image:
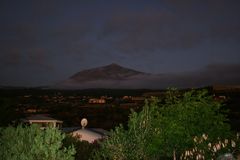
[
  {"x": 83, "y": 148},
  {"x": 220, "y": 149},
  {"x": 32, "y": 143},
  {"x": 166, "y": 130},
  {"x": 130, "y": 144},
  {"x": 181, "y": 125},
  {"x": 183, "y": 117}
]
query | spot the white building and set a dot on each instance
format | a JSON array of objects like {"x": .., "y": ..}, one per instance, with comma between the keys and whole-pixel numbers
[
  {"x": 89, "y": 134},
  {"x": 43, "y": 121}
]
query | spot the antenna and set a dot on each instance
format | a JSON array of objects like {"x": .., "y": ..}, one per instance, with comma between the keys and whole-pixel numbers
[{"x": 84, "y": 122}]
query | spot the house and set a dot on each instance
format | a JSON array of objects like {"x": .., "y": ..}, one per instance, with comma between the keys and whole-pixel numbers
[
  {"x": 43, "y": 121},
  {"x": 86, "y": 134},
  {"x": 89, "y": 135}
]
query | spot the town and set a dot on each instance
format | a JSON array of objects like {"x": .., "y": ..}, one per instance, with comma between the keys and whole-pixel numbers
[
  {"x": 104, "y": 108},
  {"x": 91, "y": 115}
]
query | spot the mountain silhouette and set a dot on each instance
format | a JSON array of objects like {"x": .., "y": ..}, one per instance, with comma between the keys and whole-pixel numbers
[
  {"x": 109, "y": 72},
  {"x": 114, "y": 76}
]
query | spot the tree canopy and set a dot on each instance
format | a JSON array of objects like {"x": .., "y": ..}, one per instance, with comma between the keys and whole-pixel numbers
[
  {"x": 166, "y": 128},
  {"x": 32, "y": 143}
]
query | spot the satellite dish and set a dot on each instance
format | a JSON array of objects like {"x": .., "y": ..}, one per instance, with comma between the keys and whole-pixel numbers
[{"x": 84, "y": 123}]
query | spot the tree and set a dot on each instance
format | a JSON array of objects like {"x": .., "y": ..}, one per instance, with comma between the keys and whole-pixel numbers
[
  {"x": 83, "y": 148},
  {"x": 130, "y": 144},
  {"x": 32, "y": 143},
  {"x": 166, "y": 129},
  {"x": 204, "y": 148},
  {"x": 183, "y": 117}
]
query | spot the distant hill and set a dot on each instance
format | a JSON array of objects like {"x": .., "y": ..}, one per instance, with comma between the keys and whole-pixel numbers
[
  {"x": 114, "y": 76},
  {"x": 109, "y": 72}
]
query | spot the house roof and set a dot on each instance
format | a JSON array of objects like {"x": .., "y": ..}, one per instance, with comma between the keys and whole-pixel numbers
[
  {"x": 100, "y": 131},
  {"x": 86, "y": 134},
  {"x": 41, "y": 117}
]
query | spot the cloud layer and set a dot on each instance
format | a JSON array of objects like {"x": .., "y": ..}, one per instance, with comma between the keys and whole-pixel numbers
[
  {"x": 60, "y": 38},
  {"x": 217, "y": 74}
]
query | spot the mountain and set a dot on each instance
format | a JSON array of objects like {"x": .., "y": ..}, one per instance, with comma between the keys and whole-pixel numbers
[
  {"x": 114, "y": 76},
  {"x": 110, "y": 76},
  {"x": 109, "y": 72}
]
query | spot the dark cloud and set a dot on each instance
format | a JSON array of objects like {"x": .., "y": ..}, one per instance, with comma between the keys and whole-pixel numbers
[
  {"x": 18, "y": 58},
  {"x": 224, "y": 74},
  {"x": 18, "y": 35},
  {"x": 149, "y": 30},
  {"x": 159, "y": 36},
  {"x": 226, "y": 32},
  {"x": 13, "y": 58},
  {"x": 38, "y": 57},
  {"x": 186, "y": 25}
]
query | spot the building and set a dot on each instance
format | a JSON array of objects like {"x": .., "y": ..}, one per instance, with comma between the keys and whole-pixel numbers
[
  {"x": 43, "y": 121},
  {"x": 86, "y": 134},
  {"x": 96, "y": 101},
  {"x": 89, "y": 135}
]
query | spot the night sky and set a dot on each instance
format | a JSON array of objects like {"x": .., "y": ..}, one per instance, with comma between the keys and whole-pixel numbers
[{"x": 45, "y": 41}]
